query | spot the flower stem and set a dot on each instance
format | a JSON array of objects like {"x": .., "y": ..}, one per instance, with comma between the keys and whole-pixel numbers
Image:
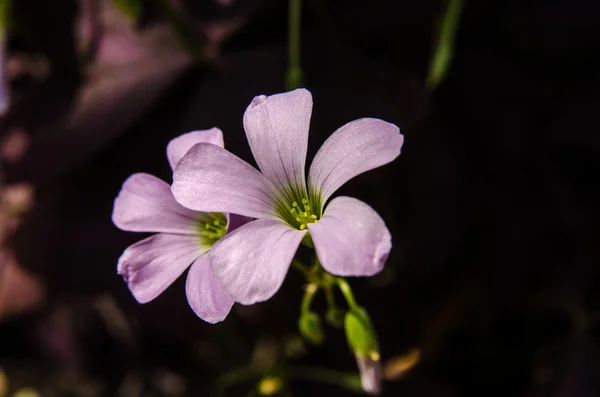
[
  {"x": 347, "y": 292},
  {"x": 235, "y": 376},
  {"x": 294, "y": 73},
  {"x": 296, "y": 264},
  {"x": 348, "y": 381},
  {"x": 309, "y": 294},
  {"x": 444, "y": 47}
]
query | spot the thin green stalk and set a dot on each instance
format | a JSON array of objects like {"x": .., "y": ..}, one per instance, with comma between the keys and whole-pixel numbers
[
  {"x": 309, "y": 294},
  {"x": 444, "y": 47},
  {"x": 296, "y": 264},
  {"x": 294, "y": 74},
  {"x": 329, "y": 298},
  {"x": 347, "y": 292},
  {"x": 349, "y": 381},
  {"x": 234, "y": 377}
]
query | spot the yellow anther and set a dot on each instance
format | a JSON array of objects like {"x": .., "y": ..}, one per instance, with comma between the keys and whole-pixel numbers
[
  {"x": 302, "y": 226},
  {"x": 313, "y": 217},
  {"x": 375, "y": 356},
  {"x": 298, "y": 219},
  {"x": 305, "y": 214}
]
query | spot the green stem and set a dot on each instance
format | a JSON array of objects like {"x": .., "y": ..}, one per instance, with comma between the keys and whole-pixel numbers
[
  {"x": 234, "y": 377},
  {"x": 443, "y": 53},
  {"x": 347, "y": 292},
  {"x": 348, "y": 381},
  {"x": 329, "y": 297},
  {"x": 296, "y": 264},
  {"x": 294, "y": 74},
  {"x": 311, "y": 290}
]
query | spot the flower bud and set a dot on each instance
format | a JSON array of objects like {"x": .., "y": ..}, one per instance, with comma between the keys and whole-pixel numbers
[
  {"x": 370, "y": 372},
  {"x": 359, "y": 332},
  {"x": 363, "y": 342},
  {"x": 310, "y": 327}
]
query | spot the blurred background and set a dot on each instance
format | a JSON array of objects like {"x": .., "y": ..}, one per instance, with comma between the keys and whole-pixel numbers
[{"x": 493, "y": 285}]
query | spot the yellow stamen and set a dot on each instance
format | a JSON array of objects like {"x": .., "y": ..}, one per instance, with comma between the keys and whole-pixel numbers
[{"x": 302, "y": 226}]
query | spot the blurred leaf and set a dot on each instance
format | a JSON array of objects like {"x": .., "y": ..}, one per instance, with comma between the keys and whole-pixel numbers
[
  {"x": 3, "y": 383},
  {"x": 5, "y": 6},
  {"x": 397, "y": 366},
  {"x": 132, "y": 9}
]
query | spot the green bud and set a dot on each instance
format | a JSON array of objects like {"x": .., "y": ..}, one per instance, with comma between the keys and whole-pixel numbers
[
  {"x": 310, "y": 327},
  {"x": 360, "y": 333},
  {"x": 335, "y": 317}
]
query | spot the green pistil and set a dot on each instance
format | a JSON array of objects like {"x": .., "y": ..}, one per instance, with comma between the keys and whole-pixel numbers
[
  {"x": 302, "y": 215},
  {"x": 212, "y": 228}
]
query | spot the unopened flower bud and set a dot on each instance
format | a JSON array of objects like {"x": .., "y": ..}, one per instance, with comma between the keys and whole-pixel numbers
[
  {"x": 363, "y": 342},
  {"x": 359, "y": 332},
  {"x": 369, "y": 366},
  {"x": 310, "y": 327}
]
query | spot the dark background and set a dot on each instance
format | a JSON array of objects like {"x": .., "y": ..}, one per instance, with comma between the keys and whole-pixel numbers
[{"x": 492, "y": 205}]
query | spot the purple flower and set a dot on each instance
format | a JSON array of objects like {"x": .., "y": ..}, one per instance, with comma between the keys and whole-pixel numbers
[
  {"x": 350, "y": 238},
  {"x": 146, "y": 204}
]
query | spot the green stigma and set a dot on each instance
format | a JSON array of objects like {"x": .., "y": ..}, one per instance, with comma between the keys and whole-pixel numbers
[
  {"x": 211, "y": 227},
  {"x": 302, "y": 214}
]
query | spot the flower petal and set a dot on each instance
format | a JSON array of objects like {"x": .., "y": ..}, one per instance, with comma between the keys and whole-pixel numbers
[
  {"x": 252, "y": 261},
  {"x": 277, "y": 130},
  {"x": 204, "y": 293},
  {"x": 351, "y": 239},
  {"x": 146, "y": 204},
  {"x": 151, "y": 265},
  {"x": 357, "y": 147},
  {"x": 179, "y": 146},
  {"x": 211, "y": 179}
]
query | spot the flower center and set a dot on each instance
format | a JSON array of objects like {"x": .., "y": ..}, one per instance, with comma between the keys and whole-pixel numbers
[
  {"x": 211, "y": 227},
  {"x": 302, "y": 214}
]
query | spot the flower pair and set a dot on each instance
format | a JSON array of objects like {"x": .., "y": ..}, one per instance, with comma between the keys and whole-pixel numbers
[{"x": 249, "y": 264}]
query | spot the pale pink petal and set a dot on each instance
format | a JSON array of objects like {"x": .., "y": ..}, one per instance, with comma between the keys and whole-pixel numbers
[
  {"x": 357, "y": 147},
  {"x": 204, "y": 293},
  {"x": 179, "y": 146},
  {"x": 277, "y": 130},
  {"x": 146, "y": 204},
  {"x": 234, "y": 221},
  {"x": 252, "y": 261},
  {"x": 210, "y": 179},
  {"x": 151, "y": 265},
  {"x": 351, "y": 239}
]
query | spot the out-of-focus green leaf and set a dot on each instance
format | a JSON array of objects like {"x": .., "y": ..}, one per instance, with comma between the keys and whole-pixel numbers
[
  {"x": 5, "y": 6},
  {"x": 132, "y": 9}
]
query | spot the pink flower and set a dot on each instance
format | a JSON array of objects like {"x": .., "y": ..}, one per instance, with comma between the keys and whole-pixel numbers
[
  {"x": 146, "y": 204},
  {"x": 350, "y": 238}
]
